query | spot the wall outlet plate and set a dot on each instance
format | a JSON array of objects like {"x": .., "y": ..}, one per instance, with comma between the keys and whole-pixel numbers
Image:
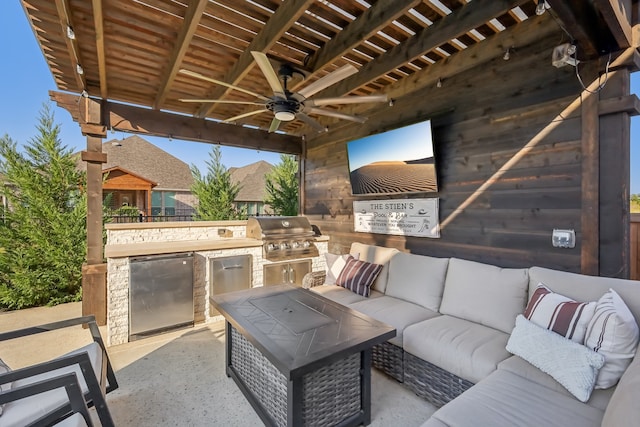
[{"x": 563, "y": 238}]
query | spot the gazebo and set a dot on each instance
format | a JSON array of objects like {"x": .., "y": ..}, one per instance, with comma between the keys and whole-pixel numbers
[{"x": 529, "y": 104}]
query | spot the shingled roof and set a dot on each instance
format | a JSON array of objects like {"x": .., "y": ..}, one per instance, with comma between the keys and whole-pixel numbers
[
  {"x": 252, "y": 181},
  {"x": 139, "y": 156}
]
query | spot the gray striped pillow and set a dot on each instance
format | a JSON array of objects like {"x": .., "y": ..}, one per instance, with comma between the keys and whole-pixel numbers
[{"x": 358, "y": 276}]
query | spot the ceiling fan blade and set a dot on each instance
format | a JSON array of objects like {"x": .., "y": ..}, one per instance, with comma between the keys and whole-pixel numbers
[
  {"x": 308, "y": 120},
  {"x": 269, "y": 73},
  {"x": 328, "y": 80},
  {"x": 336, "y": 114},
  {"x": 221, "y": 101},
  {"x": 220, "y": 82},
  {"x": 275, "y": 123},
  {"x": 346, "y": 100},
  {"x": 242, "y": 116}
]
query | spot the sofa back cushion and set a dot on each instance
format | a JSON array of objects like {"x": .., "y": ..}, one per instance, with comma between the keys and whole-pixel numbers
[
  {"x": 418, "y": 279},
  {"x": 586, "y": 288},
  {"x": 485, "y": 294},
  {"x": 375, "y": 255}
]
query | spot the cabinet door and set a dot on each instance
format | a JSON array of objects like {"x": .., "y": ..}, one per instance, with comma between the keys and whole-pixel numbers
[{"x": 297, "y": 270}]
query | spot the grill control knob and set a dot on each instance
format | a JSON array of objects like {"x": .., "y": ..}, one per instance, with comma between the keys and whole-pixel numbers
[
  {"x": 295, "y": 245},
  {"x": 272, "y": 247},
  {"x": 306, "y": 244},
  {"x": 284, "y": 245}
]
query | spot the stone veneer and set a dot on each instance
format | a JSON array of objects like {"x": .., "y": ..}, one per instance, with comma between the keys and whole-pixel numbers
[{"x": 132, "y": 235}]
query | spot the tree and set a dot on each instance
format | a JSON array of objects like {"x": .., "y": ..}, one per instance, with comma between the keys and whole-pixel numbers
[
  {"x": 44, "y": 231},
  {"x": 282, "y": 187},
  {"x": 215, "y": 191}
]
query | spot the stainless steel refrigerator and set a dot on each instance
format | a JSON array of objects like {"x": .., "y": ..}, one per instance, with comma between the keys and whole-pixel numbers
[{"x": 160, "y": 293}]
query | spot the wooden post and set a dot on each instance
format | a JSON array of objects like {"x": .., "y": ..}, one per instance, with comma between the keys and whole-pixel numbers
[
  {"x": 590, "y": 221},
  {"x": 94, "y": 272}
]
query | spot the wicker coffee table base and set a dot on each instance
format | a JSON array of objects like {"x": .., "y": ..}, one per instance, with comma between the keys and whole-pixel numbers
[{"x": 329, "y": 395}]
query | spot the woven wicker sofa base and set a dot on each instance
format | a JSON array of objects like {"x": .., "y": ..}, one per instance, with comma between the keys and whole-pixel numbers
[
  {"x": 431, "y": 382},
  {"x": 330, "y": 394},
  {"x": 389, "y": 359}
]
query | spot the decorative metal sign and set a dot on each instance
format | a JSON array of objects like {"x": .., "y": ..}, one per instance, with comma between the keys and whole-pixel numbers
[{"x": 403, "y": 217}]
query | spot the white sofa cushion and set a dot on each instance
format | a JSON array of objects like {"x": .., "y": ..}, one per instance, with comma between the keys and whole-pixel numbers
[
  {"x": 341, "y": 295},
  {"x": 24, "y": 411},
  {"x": 599, "y": 398},
  {"x": 612, "y": 332},
  {"x": 395, "y": 312},
  {"x": 623, "y": 409},
  {"x": 417, "y": 278},
  {"x": 376, "y": 255},
  {"x": 466, "y": 349},
  {"x": 571, "y": 364},
  {"x": 505, "y": 399},
  {"x": 485, "y": 294},
  {"x": 560, "y": 314}
]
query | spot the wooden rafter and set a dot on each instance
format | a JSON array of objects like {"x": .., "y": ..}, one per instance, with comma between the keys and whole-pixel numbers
[
  {"x": 579, "y": 21},
  {"x": 64, "y": 13},
  {"x": 372, "y": 20},
  {"x": 195, "y": 8},
  {"x": 98, "y": 22},
  {"x": 617, "y": 14},
  {"x": 467, "y": 18},
  {"x": 281, "y": 20}
]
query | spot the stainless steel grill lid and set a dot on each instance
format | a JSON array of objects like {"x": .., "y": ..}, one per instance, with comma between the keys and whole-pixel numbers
[{"x": 284, "y": 237}]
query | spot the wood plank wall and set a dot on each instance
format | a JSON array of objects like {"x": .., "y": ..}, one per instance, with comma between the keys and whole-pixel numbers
[{"x": 505, "y": 113}]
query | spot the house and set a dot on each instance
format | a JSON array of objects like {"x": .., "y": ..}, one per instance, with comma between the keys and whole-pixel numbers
[
  {"x": 139, "y": 174},
  {"x": 252, "y": 181}
]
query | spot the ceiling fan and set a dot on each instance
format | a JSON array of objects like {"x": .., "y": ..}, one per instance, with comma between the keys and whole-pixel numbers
[{"x": 286, "y": 105}]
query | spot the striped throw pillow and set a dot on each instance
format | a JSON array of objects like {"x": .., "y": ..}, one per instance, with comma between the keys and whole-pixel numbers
[
  {"x": 613, "y": 332},
  {"x": 358, "y": 276},
  {"x": 560, "y": 314}
]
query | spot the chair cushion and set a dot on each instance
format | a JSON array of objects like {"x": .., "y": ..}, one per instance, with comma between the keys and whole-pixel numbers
[
  {"x": 341, "y": 295},
  {"x": 505, "y": 399},
  {"x": 614, "y": 333},
  {"x": 599, "y": 398},
  {"x": 623, "y": 409},
  {"x": 4, "y": 368},
  {"x": 466, "y": 349},
  {"x": 358, "y": 276},
  {"x": 377, "y": 255},
  {"x": 395, "y": 312},
  {"x": 335, "y": 264},
  {"x": 75, "y": 420},
  {"x": 560, "y": 314},
  {"x": 571, "y": 364},
  {"x": 417, "y": 278},
  {"x": 485, "y": 294},
  {"x": 24, "y": 411}
]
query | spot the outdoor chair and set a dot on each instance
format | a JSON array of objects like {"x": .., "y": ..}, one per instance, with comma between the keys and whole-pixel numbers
[{"x": 60, "y": 390}]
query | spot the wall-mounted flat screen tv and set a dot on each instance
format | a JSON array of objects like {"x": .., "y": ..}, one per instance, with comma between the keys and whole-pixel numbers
[{"x": 397, "y": 161}]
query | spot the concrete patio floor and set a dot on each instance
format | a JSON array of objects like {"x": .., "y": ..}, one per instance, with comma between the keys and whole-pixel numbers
[{"x": 177, "y": 378}]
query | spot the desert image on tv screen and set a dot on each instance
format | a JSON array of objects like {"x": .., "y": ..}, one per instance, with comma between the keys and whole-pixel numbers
[{"x": 397, "y": 161}]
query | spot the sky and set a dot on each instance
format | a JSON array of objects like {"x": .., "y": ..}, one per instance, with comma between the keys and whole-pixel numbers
[
  {"x": 25, "y": 82},
  {"x": 402, "y": 144}
]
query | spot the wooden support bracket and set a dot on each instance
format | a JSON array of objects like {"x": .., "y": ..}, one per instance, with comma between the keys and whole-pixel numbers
[{"x": 93, "y": 157}]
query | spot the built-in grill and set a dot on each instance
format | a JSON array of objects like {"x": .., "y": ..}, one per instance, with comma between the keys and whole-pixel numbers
[{"x": 284, "y": 237}]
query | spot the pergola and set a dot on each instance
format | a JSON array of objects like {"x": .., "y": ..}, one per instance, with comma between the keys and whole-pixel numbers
[{"x": 117, "y": 66}]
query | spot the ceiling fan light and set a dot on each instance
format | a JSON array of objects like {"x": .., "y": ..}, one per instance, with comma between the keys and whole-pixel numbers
[{"x": 285, "y": 116}]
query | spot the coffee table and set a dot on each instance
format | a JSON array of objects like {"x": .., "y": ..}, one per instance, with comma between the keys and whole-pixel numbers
[{"x": 299, "y": 358}]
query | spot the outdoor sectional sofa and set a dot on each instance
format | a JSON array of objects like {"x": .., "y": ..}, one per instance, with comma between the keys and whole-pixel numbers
[{"x": 454, "y": 321}]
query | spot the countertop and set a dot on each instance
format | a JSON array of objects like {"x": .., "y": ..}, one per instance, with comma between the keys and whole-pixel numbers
[{"x": 156, "y": 248}]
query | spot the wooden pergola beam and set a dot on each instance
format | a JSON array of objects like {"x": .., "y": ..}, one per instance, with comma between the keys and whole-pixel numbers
[
  {"x": 618, "y": 15},
  {"x": 579, "y": 20},
  {"x": 195, "y": 8},
  {"x": 467, "y": 18},
  {"x": 281, "y": 20},
  {"x": 131, "y": 119},
  {"x": 98, "y": 22},
  {"x": 73, "y": 50}
]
